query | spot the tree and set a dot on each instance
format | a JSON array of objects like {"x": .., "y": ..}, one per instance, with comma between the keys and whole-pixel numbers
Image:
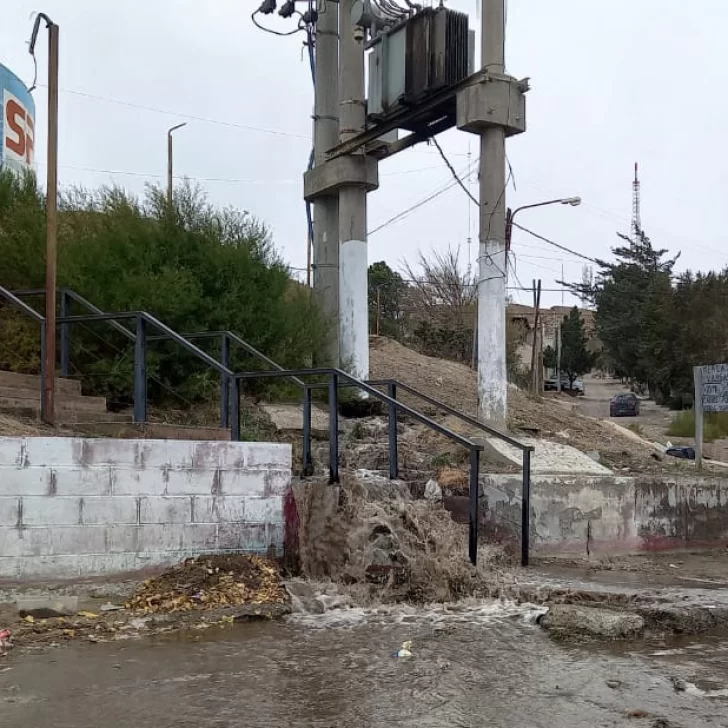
[
  {"x": 576, "y": 359},
  {"x": 550, "y": 358},
  {"x": 386, "y": 293}
]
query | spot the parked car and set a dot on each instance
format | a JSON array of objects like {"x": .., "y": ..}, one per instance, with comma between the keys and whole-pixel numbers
[
  {"x": 577, "y": 387},
  {"x": 624, "y": 405}
]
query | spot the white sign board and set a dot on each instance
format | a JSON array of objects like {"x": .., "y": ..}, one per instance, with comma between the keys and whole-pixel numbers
[{"x": 714, "y": 388}]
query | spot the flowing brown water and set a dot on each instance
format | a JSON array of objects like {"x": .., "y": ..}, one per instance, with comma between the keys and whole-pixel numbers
[{"x": 480, "y": 665}]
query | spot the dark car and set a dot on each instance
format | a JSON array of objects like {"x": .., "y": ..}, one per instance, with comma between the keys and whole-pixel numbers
[{"x": 624, "y": 405}]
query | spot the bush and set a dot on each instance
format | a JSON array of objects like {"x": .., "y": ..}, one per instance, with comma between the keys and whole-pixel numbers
[
  {"x": 715, "y": 425},
  {"x": 196, "y": 268}
]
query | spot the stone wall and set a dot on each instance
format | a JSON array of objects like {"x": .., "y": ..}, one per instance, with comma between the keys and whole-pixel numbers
[
  {"x": 73, "y": 507},
  {"x": 598, "y": 514}
]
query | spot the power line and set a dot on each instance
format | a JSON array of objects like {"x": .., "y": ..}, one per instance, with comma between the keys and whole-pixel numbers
[
  {"x": 454, "y": 173},
  {"x": 555, "y": 244},
  {"x": 192, "y": 117}
]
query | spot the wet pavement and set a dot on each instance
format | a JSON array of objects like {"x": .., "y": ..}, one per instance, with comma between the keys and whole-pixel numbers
[{"x": 483, "y": 665}]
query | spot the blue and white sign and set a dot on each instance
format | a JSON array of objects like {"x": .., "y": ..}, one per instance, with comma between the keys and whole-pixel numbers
[
  {"x": 714, "y": 387},
  {"x": 17, "y": 123}
]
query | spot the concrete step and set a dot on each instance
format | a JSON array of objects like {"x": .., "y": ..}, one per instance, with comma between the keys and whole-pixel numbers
[
  {"x": 67, "y": 403},
  {"x": 62, "y": 397},
  {"x": 32, "y": 381},
  {"x": 152, "y": 431}
]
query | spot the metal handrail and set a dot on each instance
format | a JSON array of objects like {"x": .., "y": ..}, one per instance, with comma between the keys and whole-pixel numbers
[
  {"x": 453, "y": 412},
  {"x": 14, "y": 298},
  {"x": 337, "y": 378}
]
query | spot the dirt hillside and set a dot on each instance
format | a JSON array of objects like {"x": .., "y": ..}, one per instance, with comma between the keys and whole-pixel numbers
[{"x": 554, "y": 417}]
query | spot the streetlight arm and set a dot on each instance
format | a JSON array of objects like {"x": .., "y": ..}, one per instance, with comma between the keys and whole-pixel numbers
[{"x": 573, "y": 201}]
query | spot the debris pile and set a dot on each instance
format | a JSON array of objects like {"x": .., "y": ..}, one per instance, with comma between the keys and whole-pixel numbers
[{"x": 211, "y": 582}]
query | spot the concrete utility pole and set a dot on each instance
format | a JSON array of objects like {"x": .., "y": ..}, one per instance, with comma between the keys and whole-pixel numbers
[
  {"x": 170, "y": 163},
  {"x": 353, "y": 298},
  {"x": 326, "y": 135},
  {"x": 492, "y": 259}
]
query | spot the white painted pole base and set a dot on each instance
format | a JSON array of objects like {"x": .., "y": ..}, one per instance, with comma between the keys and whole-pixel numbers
[{"x": 354, "y": 308}]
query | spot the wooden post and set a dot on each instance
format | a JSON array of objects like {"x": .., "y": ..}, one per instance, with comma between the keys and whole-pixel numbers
[
  {"x": 698, "y": 407},
  {"x": 535, "y": 378}
]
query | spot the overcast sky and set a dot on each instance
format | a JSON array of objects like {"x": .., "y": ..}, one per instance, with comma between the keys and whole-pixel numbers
[{"x": 612, "y": 83}]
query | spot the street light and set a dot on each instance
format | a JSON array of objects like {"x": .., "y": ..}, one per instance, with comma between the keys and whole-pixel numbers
[
  {"x": 169, "y": 162},
  {"x": 510, "y": 214}
]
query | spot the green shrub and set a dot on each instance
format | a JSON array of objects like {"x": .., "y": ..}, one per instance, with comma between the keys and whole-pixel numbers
[
  {"x": 715, "y": 425},
  {"x": 196, "y": 268}
]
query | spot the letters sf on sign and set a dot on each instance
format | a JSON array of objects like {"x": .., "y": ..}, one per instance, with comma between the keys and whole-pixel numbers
[
  {"x": 18, "y": 132},
  {"x": 714, "y": 390}
]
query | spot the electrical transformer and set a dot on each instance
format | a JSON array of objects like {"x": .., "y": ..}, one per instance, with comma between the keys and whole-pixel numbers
[{"x": 429, "y": 52}]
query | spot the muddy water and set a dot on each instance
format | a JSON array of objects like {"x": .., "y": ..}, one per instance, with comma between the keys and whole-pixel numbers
[{"x": 486, "y": 665}]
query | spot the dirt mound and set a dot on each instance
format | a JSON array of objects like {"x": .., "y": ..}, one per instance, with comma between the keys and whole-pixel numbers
[
  {"x": 13, "y": 427},
  {"x": 211, "y": 583},
  {"x": 553, "y": 417}
]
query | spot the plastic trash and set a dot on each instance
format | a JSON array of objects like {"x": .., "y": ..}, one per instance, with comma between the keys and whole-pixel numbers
[{"x": 405, "y": 650}]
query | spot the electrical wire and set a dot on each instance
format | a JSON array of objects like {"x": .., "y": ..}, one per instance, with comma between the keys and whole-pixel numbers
[
  {"x": 453, "y": 172},
  {"x": 274, "y": 32},
  {"x": 555, "y": 244}
]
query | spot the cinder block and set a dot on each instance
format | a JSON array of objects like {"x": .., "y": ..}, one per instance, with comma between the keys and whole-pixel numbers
[
  {"x": 211, "y": 455},
  {"x": 220, "y": 509},
  {"x": 50, "y": 567},
  {"x": 80, "y": 481},
  {"x": 50, "y": 452},
  {"x": 49, "y": 511},
  {"x": 12, "y": 451},
  {"x": 109, "y": 564},
  {"x": 243, "y": 482},
  {"x": 111, "y": 451},
  {"x": 24, "y": 481},
  {"x": 172, "y": 509},
  {"x": 268, "y": 455},
  {"x": 122, "y": 539},
  {"x": 9, "y": 511},
  {"x": 109, "y": 510},
  {"x": 263, "y": 510},
  {"x": 75, "y": 540},
  {"x": 27, "y": 542},
  {"x": 191, "y": 482},
  {"x": 138, "y": 482},
  {"x": 177, "y": 537},
  {"x": 277, "y": 482},
  {"x": 9, "y": 567}
]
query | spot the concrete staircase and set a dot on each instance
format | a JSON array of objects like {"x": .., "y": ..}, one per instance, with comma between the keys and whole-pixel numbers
[{"x": 20, "y": 396}]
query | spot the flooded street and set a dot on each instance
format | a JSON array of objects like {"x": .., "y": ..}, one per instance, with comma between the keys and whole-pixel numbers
[{"x": 484, "y": 665}]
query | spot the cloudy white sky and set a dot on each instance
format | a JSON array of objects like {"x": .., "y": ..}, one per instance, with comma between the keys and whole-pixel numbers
[{"x": 612, "y": 83}]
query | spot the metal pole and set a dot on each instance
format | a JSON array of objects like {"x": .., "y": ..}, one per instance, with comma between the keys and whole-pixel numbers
[
  {"x": 235, "y": 410},
  {"x": 65, "y": 337},
  {"x": 379, "y": 304},
  {"x": 140, "y": 371},
  {"x": 353, "y": 307},
  {"x": 474, "y": 502},
  {"x": 393, "y": 444},
  {"x": 326, "y": 135},
  {"x": 225, "y": 382},
  {"x": 492, "y": 259},
  {"x": 49, "y": 384},
  {"x": 536, "y": 336},
  {"x": 558, "y": 357},
  {"x": 698, "y": 406},
  {"x": 333, "y": 428},
  {"x": 307, "y": 459},
  {"x": 526, "y": 508},
  {"x": 170, "y": 175}
]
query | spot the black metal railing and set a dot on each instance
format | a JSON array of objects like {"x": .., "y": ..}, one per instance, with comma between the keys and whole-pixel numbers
[
  {"x": 526, "y": 450},
  {"x": 337, "y": 378}
]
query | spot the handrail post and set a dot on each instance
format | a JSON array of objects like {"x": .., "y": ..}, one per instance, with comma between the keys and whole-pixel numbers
[
  {"x": 140, "y": 371},
  {"x": 307, "y": 460},
  {"x": 393, "y": 445},
  {"x": 333, "y": 428},
  {"x": 235, "y": 409},
  {"x": 474, "y": 502},
  {"x": 43, "y": 338},
  {"x": 65, "y": 337},
  {"x": 225, "y": 382},
  {"x": 526, "y": 508}
]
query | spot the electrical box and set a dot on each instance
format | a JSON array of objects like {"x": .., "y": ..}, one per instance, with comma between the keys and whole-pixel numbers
[{"x": 427, "y": 53}]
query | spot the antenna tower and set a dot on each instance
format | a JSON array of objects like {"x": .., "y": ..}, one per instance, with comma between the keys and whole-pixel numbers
[{"x": 636, "y": 201}]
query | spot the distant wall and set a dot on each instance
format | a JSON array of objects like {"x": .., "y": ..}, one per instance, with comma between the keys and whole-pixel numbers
[
  {"x": 610, "y": 514},
  {"x": 73, "y": 507}
]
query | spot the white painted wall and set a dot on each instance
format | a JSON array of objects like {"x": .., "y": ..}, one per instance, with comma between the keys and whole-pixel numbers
[
  {"x": 74, "y": 507},
  {"x": 354, "y": 307}
]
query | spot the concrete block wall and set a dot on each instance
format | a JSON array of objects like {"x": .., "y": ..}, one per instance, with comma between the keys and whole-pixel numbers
[
  {"x": 72, "y": 507},
  {"x": 611, "y": 515}
]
